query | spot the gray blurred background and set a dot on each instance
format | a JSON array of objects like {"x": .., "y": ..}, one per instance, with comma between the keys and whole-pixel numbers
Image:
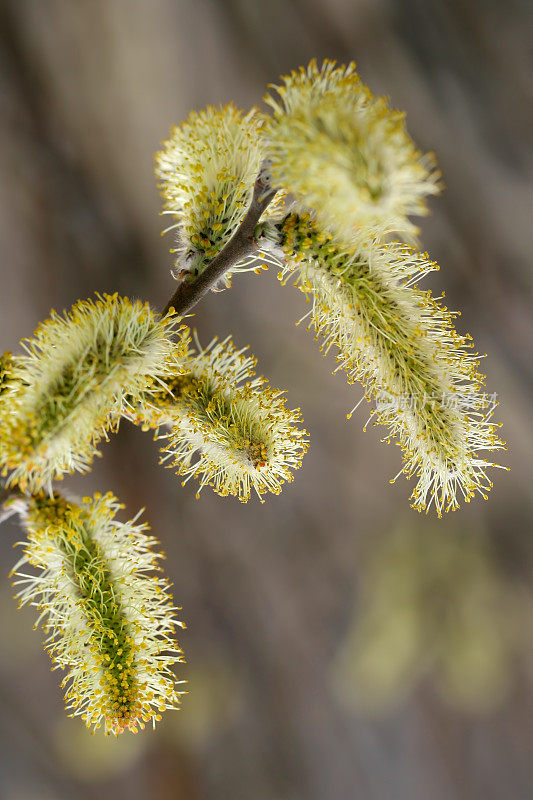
[{"x": 339, "y": 645}]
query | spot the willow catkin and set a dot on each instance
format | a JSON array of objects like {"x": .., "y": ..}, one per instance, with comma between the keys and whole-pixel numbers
[
  {"x": 109, "y": 616},
  {"x": 402, "y": 345},
  {"x": 346, "y": 154},
  {"x": 78, "y": 371},
  {"x": 231, "y": 433},
  {"x": 207, "y": 170}
]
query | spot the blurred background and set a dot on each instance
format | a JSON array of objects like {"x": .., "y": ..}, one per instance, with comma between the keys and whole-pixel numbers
[{"x": 339, "y": 645}]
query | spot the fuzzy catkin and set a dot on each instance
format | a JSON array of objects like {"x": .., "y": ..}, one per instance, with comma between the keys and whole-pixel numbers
[
  {"x": 207, "y": 170},
  {"x": 402, "y": 345},
  {"x": 78, "y": 370},
  {"x": 108, "y": 615},
  {"x": 232, "y": 433},
  {"x": 346, "y": 154}
]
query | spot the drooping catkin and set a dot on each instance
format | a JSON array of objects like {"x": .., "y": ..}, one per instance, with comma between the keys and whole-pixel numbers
[
  {"x": 402, "y": 345},
  {"x": 109, "y": 616},
  {"x": 233, "y": 434},
  {"x": 346, "y": 154},
  {"x": 78, "y": 370},
  {"x": 207, "y": 170}
]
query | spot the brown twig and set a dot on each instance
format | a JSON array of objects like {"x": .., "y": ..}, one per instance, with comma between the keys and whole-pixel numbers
[{"x": 242, "y": 244}]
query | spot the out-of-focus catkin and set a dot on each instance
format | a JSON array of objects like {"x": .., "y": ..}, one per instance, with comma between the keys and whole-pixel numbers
[{"x": 434, "y": 605}]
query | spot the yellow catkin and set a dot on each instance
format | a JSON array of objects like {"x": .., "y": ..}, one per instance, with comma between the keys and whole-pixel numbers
[
  {"x": 78, "y": 370},
  {"x": 229, "y": 432},
  {"x": 402, "y": 345},
  {"x": 109, "y": 616},
  {"x": 346, "y": 154},
  {"x": 207, "y": 170}
]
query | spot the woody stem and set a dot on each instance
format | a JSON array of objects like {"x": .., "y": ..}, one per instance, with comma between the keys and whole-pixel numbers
[{"x": 243, "y": 243}]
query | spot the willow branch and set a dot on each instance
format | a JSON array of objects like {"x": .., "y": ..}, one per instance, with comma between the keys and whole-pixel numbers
[{"x": 241, "y": 244}]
